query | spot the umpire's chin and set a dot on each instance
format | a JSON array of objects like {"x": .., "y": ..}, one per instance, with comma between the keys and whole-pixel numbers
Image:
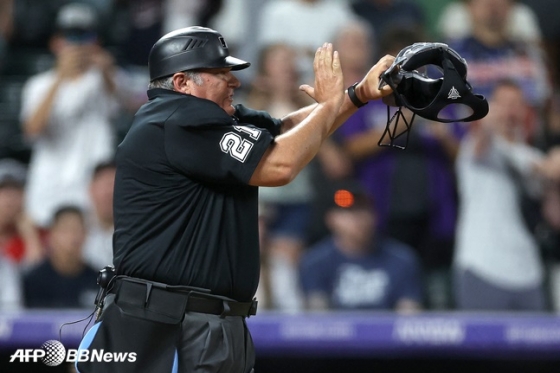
[{"x": 230, "y": 109}]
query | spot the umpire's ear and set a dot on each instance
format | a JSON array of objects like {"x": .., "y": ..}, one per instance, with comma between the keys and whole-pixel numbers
[{"x": 181, "y": 83}]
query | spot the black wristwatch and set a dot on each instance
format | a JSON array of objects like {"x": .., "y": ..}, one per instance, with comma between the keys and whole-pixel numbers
[{"x": 352, "y": 94}]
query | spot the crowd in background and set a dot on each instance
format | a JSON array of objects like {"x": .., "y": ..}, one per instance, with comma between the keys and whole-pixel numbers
[{"x": 466, "y": 218}]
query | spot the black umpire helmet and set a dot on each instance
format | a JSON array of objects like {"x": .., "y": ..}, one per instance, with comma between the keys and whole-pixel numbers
[{"x": 191, "y": 48}]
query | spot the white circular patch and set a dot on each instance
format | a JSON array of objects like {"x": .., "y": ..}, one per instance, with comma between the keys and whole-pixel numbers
[{"x": 54, "y": 353}]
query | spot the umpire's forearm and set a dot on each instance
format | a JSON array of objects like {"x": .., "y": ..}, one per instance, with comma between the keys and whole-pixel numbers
[
  {"x": 293, "y": 119},
  {"x": 294, "y": 149},
  {"x": 345, "y": 112}
]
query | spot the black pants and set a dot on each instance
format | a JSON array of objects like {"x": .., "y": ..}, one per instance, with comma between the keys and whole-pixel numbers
[{"x": 200, "y": 343}]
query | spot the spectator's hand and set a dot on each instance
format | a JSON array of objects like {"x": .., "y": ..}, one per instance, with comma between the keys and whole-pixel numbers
[
  {"x": 549, "y": 167},
  {"x": 104, "y": 61},
  {"x": 482, "y": 137},
  {"x": 25, "y": 226},
  {"x": 334, "y": 161},
  {"x": 72, "y": 61},
  {"x": 101, "y": 58},
  {"x": 30, "y": 234},
  {"x": 554, "y": 159},
  {"x": 329, "y": 83},
  {"x": 502, "y": 121}
]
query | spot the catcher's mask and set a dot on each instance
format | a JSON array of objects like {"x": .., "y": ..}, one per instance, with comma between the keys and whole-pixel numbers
[{"x": 426, "y": 96}]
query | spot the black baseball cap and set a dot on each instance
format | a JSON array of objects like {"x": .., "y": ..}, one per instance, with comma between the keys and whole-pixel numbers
[{"x": 77, "y": 22}]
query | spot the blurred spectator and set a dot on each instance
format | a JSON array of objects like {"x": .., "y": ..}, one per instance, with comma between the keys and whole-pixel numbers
[
  {"x": 356, "y": 46},
  {"x": 32, "y": 23},
  {"x": 184, "y": 13},
  {"x": 132, "y": 29},
  {"x": 67, "y": 113},
  {"x": 548, "y": 232},
  {"x": 240, "y": 22},
  {"x": 278, "y": 288},
  {"x": 302, "y": 24},
  {"x": 549, "y": 22},
  {"x": 382, "y": 15},
  {"x": 6, "y": 25},
  {"x": 497, "y": 260},
  {"x": 275, "y": 85},
  {"x": 521, "y": 22},
  {"x": 236, "y": 17},
  {"x": 137, "y": 24},
  {"x": 432, "y": 10},
  {"x": 98, "y": 248},
  {"x": 493, "y": 55},
  {"x": 550, "y": 236},
  {"x": 10, "y": 292},
  {"x": 63, "y": 280},
  {"x": 275, "y": 90},
  {"x": 551, "y": 166},
  {"x": 552, "y": 122},
  {"x": 355, "y": 268},
  {"x": 414, "y": 189},
  {"x": 20, "y": 240}
]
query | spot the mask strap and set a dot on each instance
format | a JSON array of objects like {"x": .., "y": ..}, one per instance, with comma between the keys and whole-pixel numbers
[{"x": 392, "y": 132}]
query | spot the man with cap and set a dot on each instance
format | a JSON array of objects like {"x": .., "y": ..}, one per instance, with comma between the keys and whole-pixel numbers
[
  {"x": 355, "y": 268},
  {"x": 186, "y": 250},
  {"x": 67, "y": 113},
  {"x": 20, "y": 241}
]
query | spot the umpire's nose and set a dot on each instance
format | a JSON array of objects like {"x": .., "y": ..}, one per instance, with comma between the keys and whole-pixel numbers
[{"x": 233, "y": 81}]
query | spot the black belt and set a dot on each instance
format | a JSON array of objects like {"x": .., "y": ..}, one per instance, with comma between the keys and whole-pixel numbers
[
  {"x": 219, "y": 307},
  {"x": 166, "y": 300}
]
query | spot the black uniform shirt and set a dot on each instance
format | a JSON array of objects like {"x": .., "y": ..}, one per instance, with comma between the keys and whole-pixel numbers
[{"x": 184, "y": 212}]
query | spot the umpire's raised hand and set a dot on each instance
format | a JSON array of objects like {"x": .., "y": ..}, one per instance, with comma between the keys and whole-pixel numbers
[{"x": 329, "y": 86}]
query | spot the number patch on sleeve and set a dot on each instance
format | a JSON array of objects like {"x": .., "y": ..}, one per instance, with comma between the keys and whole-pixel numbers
[
  {"x": 236, "y": 146},
  {"x": 254, "y": 133}
]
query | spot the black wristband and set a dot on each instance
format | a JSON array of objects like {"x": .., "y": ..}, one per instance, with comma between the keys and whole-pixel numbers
[{"x": 352, "y": 94}]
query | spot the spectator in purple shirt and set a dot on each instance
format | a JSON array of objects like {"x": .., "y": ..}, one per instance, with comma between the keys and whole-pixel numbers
[
  {"x": 414, "y": 189},
  {"x": 493, "y": 55}
]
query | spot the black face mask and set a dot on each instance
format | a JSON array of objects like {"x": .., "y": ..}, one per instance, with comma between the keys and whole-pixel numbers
[{"x": 429, "y": 97}]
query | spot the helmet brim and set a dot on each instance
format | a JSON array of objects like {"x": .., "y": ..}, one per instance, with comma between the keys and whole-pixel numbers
[{"x": 236, "y": 63}]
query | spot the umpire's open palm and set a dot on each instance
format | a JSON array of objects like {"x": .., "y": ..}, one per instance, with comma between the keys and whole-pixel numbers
[{"x": 329, "y": 86}]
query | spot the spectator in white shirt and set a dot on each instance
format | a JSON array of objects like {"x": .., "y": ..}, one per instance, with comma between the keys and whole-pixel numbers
[{"x": 67, "y": 113}]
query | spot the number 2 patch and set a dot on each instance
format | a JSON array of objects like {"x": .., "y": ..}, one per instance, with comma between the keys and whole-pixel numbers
[{"x": 236, "y": 146}]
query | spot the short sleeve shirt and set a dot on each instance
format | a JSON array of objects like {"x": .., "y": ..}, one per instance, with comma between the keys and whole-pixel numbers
[
  {"x": 373, "y": 281},
  {"x": 184, "y": 212}
]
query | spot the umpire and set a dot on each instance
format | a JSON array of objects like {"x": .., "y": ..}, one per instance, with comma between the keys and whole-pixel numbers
[{"x": 186, "y": 250}]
